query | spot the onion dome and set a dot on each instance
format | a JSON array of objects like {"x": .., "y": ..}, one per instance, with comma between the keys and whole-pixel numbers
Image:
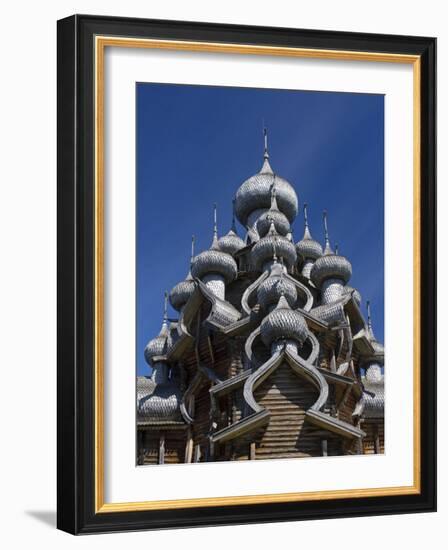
[
  {"x": 273, "y": 246},
  {"x": 374, "y": 374},
  {"x": 162, "y": 404},
  {"x": 355, "y": 293},
  {"x": 159, "y": 345},
  {"x": 283, "y": 323},
  {"x": 214, "y": 261},
  {"x": 275, "y": 286},
  {"x": 181, "y": 293},
  {"x": 231, "y": 243},
  {"x": 308, "y": 248},
  {"x": 273, "y": 215},
  {"x": 255, "y": 193},
  {"x": 330, "y": 265},
  {"x": 377, "y": 346}
]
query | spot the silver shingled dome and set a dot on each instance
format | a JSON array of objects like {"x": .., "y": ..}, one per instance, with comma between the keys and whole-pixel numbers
[
  {"x": 273, "y": 245},
  {"x": 308, "y": 248},
  {"x": 330, "y": 266},
  {"x": 283, "y": 323},
  {"x": 272, "y": 288},
  {"x": 281, "y": 223},
  {"x": 255, "y": 193},
  {"x": 181, "y": 293},
  {"x": 214, "y": 261},
  {"x": 158, "y": 345},
  {"x": 231, "y": 243}
]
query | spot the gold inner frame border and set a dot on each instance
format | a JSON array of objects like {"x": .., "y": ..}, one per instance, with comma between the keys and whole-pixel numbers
[{"x": 100, "y": 44}]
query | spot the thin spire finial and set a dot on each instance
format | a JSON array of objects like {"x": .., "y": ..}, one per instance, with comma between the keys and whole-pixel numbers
[
  {"x": 233, "y": 216},
  {"x": 165, "y": 307},
  {"x": 192, "y": 248},
  {"x": 215, "y": 245},
  {"x": 265, "y": 133},
  {"x": 336, "y": 249},
  {"x": 305, "y": 213},
  {"x": 215, "y": 220},
  {"x": 328, "y": 249},
  {"x": 369, "y": 316}
]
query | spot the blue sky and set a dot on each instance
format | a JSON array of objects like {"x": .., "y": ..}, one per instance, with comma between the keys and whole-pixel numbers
[{"x": 197, "y": 144}]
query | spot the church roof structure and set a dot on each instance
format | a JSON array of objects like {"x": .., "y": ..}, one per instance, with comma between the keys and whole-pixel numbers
[{"x": 270, "y": 355}]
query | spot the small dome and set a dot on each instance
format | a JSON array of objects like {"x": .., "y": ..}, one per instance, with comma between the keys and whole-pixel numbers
[
  {"x": 283, "y": 323},
  {"x": 214, "y": 261},
  {"x": 330, "y": 266},
  {"x": 158, "y": 345},
  {"x": 356, "y": 294},
  {"x": 272, "y": 288},
  {"x": 273, "y": 245},
  {"x": 162, "y": 403},
  {"x": 309, "y": 249},
  {"x": 255, "y": 193},
  {"x": 181, "y": 293},
  {"x": 281, "y": 223},
  {"x": 373, "y": 373},
  {"x": 231, "y": 243}
]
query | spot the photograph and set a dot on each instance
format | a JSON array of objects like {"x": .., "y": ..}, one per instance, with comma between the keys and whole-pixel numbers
[
  {"x": 246, "y": 274},
  {"x": 259, "y": 274}
]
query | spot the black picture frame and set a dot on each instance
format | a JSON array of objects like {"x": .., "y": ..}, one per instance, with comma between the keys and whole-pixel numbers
[{"x": 76, "y": 396}]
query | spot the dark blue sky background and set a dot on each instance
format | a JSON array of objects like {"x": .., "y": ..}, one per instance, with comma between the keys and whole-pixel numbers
[{"x": 197, "y": 144}]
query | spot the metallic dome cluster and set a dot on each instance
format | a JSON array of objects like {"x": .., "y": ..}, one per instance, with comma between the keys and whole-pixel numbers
[{"x": 300, "y": 283}]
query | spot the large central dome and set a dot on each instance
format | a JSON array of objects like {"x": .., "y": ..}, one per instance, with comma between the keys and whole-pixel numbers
[{"x": 255, "y": 194}]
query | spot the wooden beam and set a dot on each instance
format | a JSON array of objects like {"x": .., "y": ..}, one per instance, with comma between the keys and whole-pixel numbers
[
  {"x": 197, "y": 453},
  {"x": 189, "y": 447},
  {"x": 376, "y": 442},
  {"x": 252, "y": 451},
  {"x": 162, "y": 449}
]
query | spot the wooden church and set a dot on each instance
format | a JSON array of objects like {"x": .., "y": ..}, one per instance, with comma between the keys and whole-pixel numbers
[{"x": 270, "y": 356}]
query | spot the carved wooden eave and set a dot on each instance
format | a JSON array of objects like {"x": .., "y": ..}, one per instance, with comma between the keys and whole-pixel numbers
[
  {"x": 247, "y": 424},
  {"x": 362, "y": 343},
  {"x": 161, "y": 424},
  {"x": 334, "y": 425},
  {"x": 227, "y": 386}
]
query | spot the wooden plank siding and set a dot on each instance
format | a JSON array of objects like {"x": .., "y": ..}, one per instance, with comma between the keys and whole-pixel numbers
[
  {"x": 373, "y": 442},
  {"x": 288, "y": 434},
  {"x": 174, "y": 446}
]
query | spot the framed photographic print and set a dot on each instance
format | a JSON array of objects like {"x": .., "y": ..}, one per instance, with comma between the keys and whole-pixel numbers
[{"x": 246, "y": 274}]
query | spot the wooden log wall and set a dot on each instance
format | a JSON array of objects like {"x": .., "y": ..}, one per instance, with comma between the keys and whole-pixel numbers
[
  {"x": 288, "y": 434},
  {"x": 173, "y": 445},
  {"x": 373, "y": 443}
]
